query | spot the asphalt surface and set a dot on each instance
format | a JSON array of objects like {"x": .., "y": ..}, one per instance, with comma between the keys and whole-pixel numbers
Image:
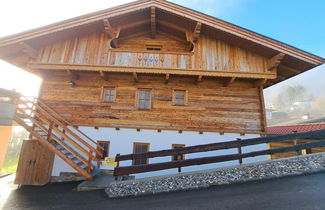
[{"x": 300, "y": 192}]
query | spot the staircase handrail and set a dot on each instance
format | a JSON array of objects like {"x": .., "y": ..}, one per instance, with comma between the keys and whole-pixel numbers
[{"x": 35, "y": 101}]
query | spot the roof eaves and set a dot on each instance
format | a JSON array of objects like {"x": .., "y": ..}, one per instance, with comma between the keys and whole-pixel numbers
[
  {"x": 173, "y": 8},
  {"x": 241, "y": 32}
]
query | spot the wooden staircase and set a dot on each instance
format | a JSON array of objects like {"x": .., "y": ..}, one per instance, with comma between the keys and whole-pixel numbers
[{"x": 58, "y": 135}]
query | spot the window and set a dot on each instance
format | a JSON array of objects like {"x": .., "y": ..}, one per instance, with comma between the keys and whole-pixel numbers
[
  {"x": 108, "y": 94},
  {"x": 144, "y": 99},
  {"x": 105, "y": 145},
  {"x": 140, "y": 148},
  {"x": 180, "y": 97},
  {"x": 154, "y": 47},
  {"x": 178, "y": 157}
]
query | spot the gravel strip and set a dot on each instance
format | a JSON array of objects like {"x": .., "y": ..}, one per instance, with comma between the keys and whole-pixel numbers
[{"x": 203, "y": 179}]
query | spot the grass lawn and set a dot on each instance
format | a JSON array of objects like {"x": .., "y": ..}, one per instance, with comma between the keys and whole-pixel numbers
[{"x": 10, "y": 165}]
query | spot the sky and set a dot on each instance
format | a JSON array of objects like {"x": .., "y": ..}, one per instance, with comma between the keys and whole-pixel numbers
[{"x": 300, "y": 23}]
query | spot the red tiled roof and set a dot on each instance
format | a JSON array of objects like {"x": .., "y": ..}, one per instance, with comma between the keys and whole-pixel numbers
[{"x": 286, "y": 129}]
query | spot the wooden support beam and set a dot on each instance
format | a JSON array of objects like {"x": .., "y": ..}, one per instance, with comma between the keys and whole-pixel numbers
[
  {"x": 135, "y": 77},
  {"x": 167, "y": 78},
  {"x": 27, "y": 49},
  {"x": 229, "y": 81},
  {"x": 197, "y": 31},
  {"x": 274, "y": 62},
  {"x": 286, "y": 68},
  {"x": 110, "y": 32},
  {"x": 135, "y": 24},
  {"x": 150, "y": 70},
  {"x": 260, "y": 82},
  {"x": 103, "y": 75},
  {"x": 172, "y": 26},
  {"x": 108, "y": 29},
  {"x": 73, "y": 75},
  {"x": 153, "y": 22},
  {"x": 199, "y": 79}
]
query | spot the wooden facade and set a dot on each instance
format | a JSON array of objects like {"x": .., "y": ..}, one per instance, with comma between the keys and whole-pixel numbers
[
  {"x": 211, "y": 106},
  {"x": 162, "y": 48},
  {"x": 156, "y": 48}
]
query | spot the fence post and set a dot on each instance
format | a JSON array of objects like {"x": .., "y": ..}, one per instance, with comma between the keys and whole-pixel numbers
[
  {"x": 118, "y": 164},
  {"x": 240, "y": 160},
  {"x": 298, "y": 152},
  {"x": 180, "y": 157}
]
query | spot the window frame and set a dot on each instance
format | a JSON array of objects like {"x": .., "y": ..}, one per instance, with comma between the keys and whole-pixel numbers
[
  {"x": 185, "y": 97},
  {"x": 157, "y": 48},
  {"x": 108, "y": 147},
  {"x": 134, "y": 146},
  {"x": 174, "y": 146},
  {"x": 103, "y": 95},
  {"x": 138, "y": 99}
]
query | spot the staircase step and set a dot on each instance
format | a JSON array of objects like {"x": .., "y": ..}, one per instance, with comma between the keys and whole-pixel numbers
[
  {"x": 76, "y": 160},
  {"x": 21, "y": 115},
  {"x": 82, "y": 165}
]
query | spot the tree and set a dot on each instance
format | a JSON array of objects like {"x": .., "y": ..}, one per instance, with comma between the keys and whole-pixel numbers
[{"x": 291, "y": 95}]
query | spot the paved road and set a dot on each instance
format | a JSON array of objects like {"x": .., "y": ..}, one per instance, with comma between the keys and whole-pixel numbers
[{"x": 301, "y": 192}]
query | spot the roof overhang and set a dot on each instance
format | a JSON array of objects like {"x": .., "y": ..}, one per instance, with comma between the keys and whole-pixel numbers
[{"x": 295, "y": 62}]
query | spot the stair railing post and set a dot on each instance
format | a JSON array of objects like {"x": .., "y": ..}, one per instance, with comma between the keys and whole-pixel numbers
[
  {"x": 89, "y": 161},
  {"x": 49, "y": 133}
]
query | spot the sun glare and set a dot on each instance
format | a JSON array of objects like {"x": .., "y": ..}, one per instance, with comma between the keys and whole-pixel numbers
[{"x": 13, "y": 78}]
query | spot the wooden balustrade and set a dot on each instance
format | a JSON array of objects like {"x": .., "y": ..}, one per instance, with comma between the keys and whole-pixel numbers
[
  {"x": 318, "y": 136},
  {"x": 148, "y": 59}
]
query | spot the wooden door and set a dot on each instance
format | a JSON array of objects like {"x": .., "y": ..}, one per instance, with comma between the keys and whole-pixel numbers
[{"x": 35, "y": 164}]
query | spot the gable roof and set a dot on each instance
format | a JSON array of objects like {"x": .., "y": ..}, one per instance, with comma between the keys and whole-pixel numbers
[
  {"x": 297, "y": 60},
  {"x": 287, "y": 129}
]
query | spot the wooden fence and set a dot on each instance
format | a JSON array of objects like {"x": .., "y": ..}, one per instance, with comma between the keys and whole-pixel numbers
[{"x": 318, "y": 137}]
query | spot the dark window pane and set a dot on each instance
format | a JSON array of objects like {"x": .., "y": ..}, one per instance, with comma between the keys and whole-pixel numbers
[
  {"x": 140, "y": 148},
  {"x": 105, "y": 145},
  {"x": 109, "y": 95},
  {"x": 144, "y": 100},
  {"x": 179, "y": 97}
]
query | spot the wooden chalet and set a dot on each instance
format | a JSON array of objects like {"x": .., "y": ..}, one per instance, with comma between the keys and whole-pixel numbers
[{"x": 143, "y": 76}]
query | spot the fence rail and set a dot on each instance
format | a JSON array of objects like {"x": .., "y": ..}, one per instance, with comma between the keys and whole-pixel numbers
[{"x": 318, "y": 137}]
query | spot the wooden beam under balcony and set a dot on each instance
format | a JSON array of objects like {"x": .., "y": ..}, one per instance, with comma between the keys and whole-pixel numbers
[
  {"x": 135, "y": 77},
  {"x": 151, "y": 70},
  {"x": 199, "y": 79},
  {"x": 260, "y": 82},
  {"x": 167, "y": 78},
  {"x": 153, "y": 22},
  {"x": 73, "y": 75},
  {"x": 229, "y": 81},
  {"x": 103, "y": 75}
]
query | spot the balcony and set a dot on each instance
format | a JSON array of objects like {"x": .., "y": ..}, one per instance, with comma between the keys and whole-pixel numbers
[{"x": 148, "y": 59}]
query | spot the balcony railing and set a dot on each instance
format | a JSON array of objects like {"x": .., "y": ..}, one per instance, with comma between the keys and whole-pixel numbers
[{"x": 148, "y": 59}]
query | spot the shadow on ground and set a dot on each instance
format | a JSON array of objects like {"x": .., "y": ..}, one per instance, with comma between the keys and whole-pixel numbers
[{"x": 301, "y": 192}]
